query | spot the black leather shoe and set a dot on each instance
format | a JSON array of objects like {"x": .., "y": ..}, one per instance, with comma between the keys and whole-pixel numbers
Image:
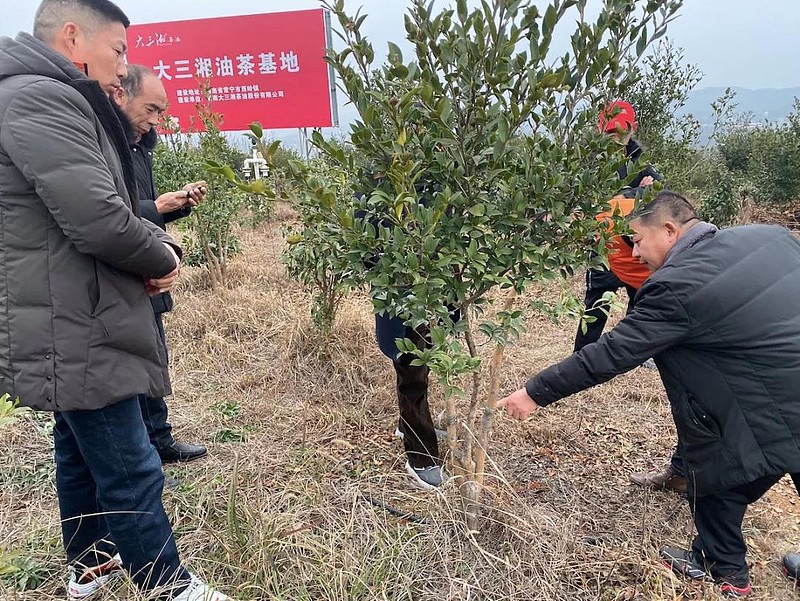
[{"x": 181, "y": 451}]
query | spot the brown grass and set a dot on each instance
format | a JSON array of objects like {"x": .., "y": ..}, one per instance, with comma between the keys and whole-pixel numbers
[{"x": 300, "y": 433}]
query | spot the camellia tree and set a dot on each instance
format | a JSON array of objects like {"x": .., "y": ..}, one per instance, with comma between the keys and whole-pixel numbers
[{"x": 485, "y": 173}]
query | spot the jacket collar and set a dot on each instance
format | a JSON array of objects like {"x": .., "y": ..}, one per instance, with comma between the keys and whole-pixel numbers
[
  {"x": 633, "y": 150},
  {"x": 26, "y": 55},
  {"x": 112, "y": 120},
  {"x": 699, "y": 231},
  {"x": 149, "y": 140}
]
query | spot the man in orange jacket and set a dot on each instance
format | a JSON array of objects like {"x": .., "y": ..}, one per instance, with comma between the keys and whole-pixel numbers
[
  {"x": 617, "y": 120},
  {"x": 621, "y": 261},
  {"x": 632, "y": 273}
]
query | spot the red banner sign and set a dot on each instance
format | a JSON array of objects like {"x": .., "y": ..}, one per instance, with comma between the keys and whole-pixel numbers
[{"x": 268, "y": 68}]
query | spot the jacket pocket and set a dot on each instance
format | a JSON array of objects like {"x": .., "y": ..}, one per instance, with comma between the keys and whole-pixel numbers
[
  {"x": 702, "y": 419},
  {"x": 94, "y": 291},
  {"x": 700, "y": 438}
]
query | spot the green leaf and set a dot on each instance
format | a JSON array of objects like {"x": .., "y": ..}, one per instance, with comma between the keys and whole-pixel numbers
[
  {"x": 228, "y": 172},
  {"x": 258, "y": 186},
  {"x": 502, "y": 128},
  {"x": 395, "y": 54},
  {"x": 641, "y": 45},
  {"x": 257, "y": 130},
  {"x": 479, "y": 210},
  {"x": 549, "y": 22}
]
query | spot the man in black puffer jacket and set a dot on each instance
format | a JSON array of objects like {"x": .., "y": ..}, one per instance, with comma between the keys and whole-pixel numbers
[
  {"x": 721, "y": 317},
  {"x": 143, "y": 100}
]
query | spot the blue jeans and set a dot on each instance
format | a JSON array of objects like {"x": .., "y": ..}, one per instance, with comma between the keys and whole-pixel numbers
[{"x": 109, "y": 485}]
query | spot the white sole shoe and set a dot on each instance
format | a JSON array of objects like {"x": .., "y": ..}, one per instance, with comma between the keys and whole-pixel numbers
[
  {"x": 101, "y": 576},
  {"x": 200, "y": 591},
  {"x": 433, "y": 472}
]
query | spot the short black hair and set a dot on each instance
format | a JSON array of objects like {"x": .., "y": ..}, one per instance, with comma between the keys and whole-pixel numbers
[
  {"x": 132, "y": 82},
  {"x": 52, "y": 14},
  {"x": 665, "y": 206}
]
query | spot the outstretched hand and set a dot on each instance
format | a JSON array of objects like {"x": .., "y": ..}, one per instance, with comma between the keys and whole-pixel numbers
[{"x": 518, "y": 404}]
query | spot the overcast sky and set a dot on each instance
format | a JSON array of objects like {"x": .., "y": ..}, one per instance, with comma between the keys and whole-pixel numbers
[
  {"x": 746, "y": 43},
  {"x": 743, "y": 43}
]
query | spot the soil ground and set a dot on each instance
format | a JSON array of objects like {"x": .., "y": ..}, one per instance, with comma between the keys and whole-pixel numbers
[{"x": 300, "y": 438}]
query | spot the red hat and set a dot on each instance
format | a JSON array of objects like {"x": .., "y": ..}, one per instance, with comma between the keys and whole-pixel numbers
[{"x": 617, "y": 115}]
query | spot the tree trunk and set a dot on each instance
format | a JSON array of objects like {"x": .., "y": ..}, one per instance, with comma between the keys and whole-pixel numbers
[
  {"x": 213, "y": 267},
  {"x": 470, "y": 496},
  {"x": 470, "y": 464},
  {"x": 487, "y": 419}
]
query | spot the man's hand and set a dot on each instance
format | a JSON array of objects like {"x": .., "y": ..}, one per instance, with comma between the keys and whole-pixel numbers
[
  {"x": 518, "y": 404},
  {"x": 172, "y": 201},
  {"x": 195, "y": 193},
  {"x": 647, "y": 180},
  {"x": 164, "y": 284},
  {"x": 188, "y": 196}
]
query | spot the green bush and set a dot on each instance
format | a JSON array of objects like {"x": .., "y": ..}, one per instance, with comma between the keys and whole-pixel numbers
[
  {"x": 485, "y": 174},
  {"x": 767, "y": 157},
  {"x": 315, "y": 255},
  {"x": 210, "y": 240}
]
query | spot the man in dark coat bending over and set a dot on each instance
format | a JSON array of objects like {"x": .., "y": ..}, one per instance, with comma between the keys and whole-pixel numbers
[{"x": 721, "y": 317}]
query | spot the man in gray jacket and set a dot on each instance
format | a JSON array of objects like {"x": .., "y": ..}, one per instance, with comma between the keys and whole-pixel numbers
[
  {"x": 77, "y": 336},
  {"x": 720, "y": 315}
]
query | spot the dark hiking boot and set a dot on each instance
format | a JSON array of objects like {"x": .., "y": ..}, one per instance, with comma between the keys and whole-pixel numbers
[
  {"x": 683, "y": 563},
  {"x": 791, "y": 566},
  {"x": 687, "y": 564},
  {"x": 664, "y": 480}
]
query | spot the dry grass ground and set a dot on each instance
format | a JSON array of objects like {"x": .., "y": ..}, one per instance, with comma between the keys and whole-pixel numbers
[{"x": 300, "y": 437}]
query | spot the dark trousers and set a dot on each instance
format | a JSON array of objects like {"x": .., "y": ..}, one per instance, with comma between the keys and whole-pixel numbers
[
  {"x": 416, "y": 424},
  {"x": 718, "y": 518},
  {"x": 677, "y": 462},
  {"x": 154, "y": 409},
  {"x": 109, "y": 485},
  {"x": 598, "y": 282}
]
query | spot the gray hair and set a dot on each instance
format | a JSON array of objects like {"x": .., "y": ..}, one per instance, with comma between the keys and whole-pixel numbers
[
  {"x": 132, "y": 82},
  {"x": 89, "y": 14}
]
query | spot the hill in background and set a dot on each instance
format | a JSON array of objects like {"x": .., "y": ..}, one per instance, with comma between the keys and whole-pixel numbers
[{"x": 765, "y": 104}]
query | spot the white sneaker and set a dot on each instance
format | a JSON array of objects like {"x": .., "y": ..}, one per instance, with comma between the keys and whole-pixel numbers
[
  {"x": 200, "y": 591},
  {"x": 93, "y": 579},
  {"x": 427, "y": 478}
]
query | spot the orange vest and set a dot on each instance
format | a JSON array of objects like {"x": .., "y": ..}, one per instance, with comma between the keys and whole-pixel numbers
[{"x": 620, "y": 255}]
